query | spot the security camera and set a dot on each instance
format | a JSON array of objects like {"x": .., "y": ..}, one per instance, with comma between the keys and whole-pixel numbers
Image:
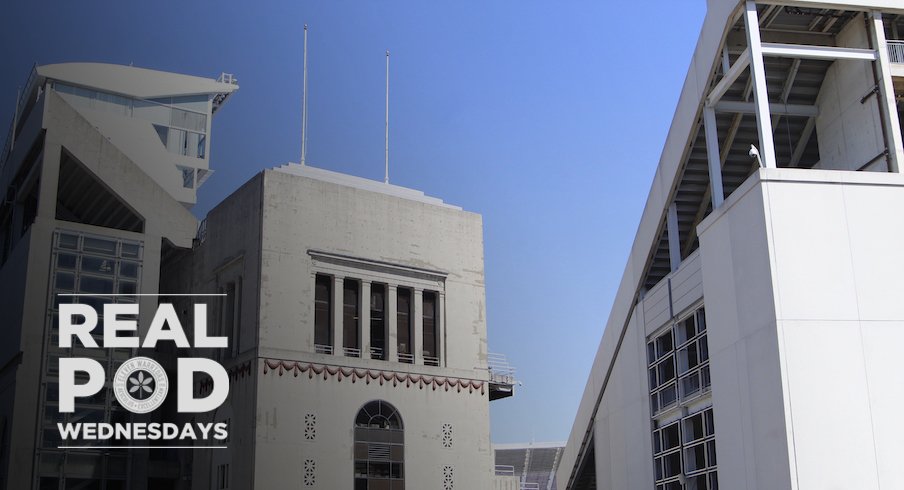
[{"x": 754, "y": 153}]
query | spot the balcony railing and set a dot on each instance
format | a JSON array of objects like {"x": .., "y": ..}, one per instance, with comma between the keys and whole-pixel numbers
[
  {"x": 896, "y": 51},
  {"x": 376, "y": 353},
  {"x": 352, "y": 352},
  {"x": 500, "y": 370},
  {"x": 431, "y": 360},
  {"x": 323, "y": 349},
  {"x": 505, "y": 470},
  {"x": 406, "y": 358}
]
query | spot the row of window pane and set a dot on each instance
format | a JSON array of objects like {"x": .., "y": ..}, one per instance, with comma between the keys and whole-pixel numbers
[{"x": 351, "y": 316}]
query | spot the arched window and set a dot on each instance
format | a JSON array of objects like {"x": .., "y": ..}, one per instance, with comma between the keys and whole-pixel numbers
[{"x": 379, "y": 448}]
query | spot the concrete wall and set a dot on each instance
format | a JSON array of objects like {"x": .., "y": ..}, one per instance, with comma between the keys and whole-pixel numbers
[
  {"x": 850, "y": 132},
  {"x": 264, "y": 233},
  {"x": 799, "y": 270}
]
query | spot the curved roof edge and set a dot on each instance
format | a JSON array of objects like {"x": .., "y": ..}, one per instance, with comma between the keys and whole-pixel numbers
[{"x": 136, "y": 82}]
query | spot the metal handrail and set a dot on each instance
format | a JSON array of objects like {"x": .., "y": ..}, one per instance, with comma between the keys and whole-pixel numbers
[
  {"x": 500, "y": 369},
  {"x": 406, "y": 358},
  {"x": 431, "y": 361},
  {"x": 504, "y": 470},
  {"x": 896, "y": 51},
  {"x": 376, "y": 353},
  {"x": 323, "y": 349},
  {"x": 351, "y": 352}
]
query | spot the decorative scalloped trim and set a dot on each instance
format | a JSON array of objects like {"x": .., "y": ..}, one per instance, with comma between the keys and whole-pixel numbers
[{"x": 339, "y": 373}]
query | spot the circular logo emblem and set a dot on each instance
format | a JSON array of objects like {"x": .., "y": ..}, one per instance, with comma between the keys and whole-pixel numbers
[{"x": 140, "y": 385}]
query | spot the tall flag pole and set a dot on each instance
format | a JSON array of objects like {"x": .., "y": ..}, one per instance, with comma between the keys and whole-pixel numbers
[
  {"x": 386, "y": 178},
  {"x": 304, "y": 100}
]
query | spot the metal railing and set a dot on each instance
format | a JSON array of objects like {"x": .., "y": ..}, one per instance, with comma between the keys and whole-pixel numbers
[
  {"x": 431, "y": 360},
  {"x": 406, "y": 358},
  {"x": 323, "y": 349},
  {"x": 530, "y": 486},
  {"x": 351, "y": 352},
  {"x": 500, "y": 369},
  {"x": 896, "y": 51},
  {"x": 505, "y": 470},
  {"x": 376, "y": 353}
]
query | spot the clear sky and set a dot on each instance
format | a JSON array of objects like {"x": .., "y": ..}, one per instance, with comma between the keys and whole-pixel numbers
[{"x": 548, "y": 118}]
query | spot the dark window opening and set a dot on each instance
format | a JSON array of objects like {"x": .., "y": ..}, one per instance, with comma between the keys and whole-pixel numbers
[
  {"x": 431, "y": 354},
  {"x": 379, "y": 448},
  {"x": 378, "y": 321},
  {"x": 350, "y": 317},
  {"x": 323, "y": 313},
  {"x": 403, "y": 325}
]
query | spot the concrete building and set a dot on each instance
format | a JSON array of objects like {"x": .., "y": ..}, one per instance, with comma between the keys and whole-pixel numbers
[
  {"x": 359, "y": 352},
  {"x": 753, "y": 340},
  {"x": 355, "y": 309},
  {"x": 98, "y": 170}
]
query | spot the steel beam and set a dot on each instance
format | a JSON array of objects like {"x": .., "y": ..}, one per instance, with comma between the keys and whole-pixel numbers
[
  {"x": 774, "y": 108},
  {"x": 730, "y": 76},
  {"x": 712, "y": 155},
  {"x": 817, "y": 52},
  {"x": 887, "y": 104},
  {"x": 760, "y": 95}
]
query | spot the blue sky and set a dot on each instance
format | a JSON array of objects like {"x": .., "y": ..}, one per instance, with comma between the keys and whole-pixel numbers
[{"x": 548, "y": 118}]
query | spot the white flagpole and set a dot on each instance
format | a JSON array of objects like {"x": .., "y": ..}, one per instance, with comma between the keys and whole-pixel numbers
[
  {"x": 386, "y": 178},
  {"x": 304, "y": 99}
]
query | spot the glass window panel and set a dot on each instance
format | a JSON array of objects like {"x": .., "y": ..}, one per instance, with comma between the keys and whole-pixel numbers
[
  {"x": 685, "y": 330},
  {"x": 668, "y": 396},
  {"x": 690, "y": 384},
  {"x": 696, "y": 482},
  {"x": 128, "y": 287},
  {"x": 664, "y": 344},
  {"x": 687, "y": 358},
  {"x": 711, "y": 454},
  {"x": 95, "y": 285},
  {"x": 708, "y": 417},
  {"x": 666, "y": 370},
  {"x": 131, "y": 250},
  {"x": 704, "y": 374},
  {"x": 68, "y": 241},
  {"x": 67, "y": 261},
  {"x": 128, "y": 269},
  {"x": 671, "y": 464},
  {"x": 693, "y": 428},
  {"x": 65, "y": 281},
  {"x": 100, "y": 245},
  {"x": 695, "y": 458},
  {"x": 670, "y": 437},
  {"x": 651, "y": 353},
  {"x": 97, "y": 265},
  {"x": 703, "y": 347},
  {"x": 653, "y": 379}
]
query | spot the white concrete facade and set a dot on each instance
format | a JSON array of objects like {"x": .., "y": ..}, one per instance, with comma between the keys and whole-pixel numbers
[
  {"x": 294, "y": 404},
  {"x": 795, "y": 270}
]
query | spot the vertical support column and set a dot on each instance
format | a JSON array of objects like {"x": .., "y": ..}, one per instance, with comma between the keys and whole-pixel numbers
[
  {"x": 417, "y": 341},
  {"x": 338, "y": 310},
  {"x": 392, "y": 323},
  {"x": 713, "y": 155},
  {"x": 760, "y": 95},
  {"x": 441, "y": 328},
  {"x": 887, "y": 104},
  {"x": 364, "y": 319},
  {"x": 674, "y": 236}
]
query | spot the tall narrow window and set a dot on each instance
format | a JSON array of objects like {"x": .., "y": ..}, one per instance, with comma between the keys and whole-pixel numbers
[
  {"x": 323, "y": 339},
  {"x": 379, "y": 448},
  {"x": 378, "y": 321},
  {"x": 431, "y": 354},
  {"x": 403, "y": 325},
  {"x": 350, "y": 320}
]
